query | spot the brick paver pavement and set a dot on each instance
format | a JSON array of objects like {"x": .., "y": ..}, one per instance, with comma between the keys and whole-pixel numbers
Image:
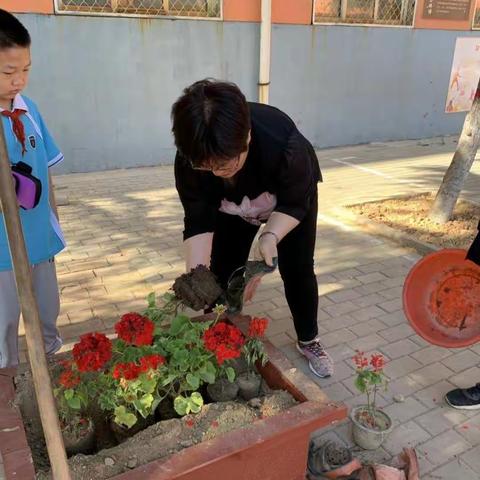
[{"x": 124, "y": 234}]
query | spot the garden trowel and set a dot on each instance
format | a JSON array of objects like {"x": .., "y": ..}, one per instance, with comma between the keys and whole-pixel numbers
[{"x": 243, "y": 283}]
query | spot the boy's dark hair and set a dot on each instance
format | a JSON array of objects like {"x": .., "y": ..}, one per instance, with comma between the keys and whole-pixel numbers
[
  {"x": 12, "y": 32},
  {"x": 211, "y": 121}
]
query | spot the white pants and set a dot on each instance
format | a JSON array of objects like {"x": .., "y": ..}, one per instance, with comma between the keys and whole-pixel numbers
[{"x": 45, "y": 285}]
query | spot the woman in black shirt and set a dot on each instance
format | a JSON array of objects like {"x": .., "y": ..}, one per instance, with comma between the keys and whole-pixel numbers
[{"x": 240, "y": 165}]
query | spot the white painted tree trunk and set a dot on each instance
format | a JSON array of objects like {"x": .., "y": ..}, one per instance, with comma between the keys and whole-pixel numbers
[{"x": 457, "y": 173}]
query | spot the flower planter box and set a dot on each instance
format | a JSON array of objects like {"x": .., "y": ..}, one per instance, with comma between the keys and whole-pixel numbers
[{"x": 274, "y": 448}]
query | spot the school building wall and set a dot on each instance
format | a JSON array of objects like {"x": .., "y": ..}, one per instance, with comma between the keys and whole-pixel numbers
[{"x": 106, "y": 85}]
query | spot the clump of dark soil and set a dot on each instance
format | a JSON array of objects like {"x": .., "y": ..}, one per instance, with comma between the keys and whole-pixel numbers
[{"x": 197, "y": 289}]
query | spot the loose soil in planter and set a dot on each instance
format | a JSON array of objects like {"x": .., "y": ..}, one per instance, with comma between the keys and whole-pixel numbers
[
  {"x": 158, "y": 441},
  {"x": 410, "y": 215},
  {"x": 380, "y": 424}
]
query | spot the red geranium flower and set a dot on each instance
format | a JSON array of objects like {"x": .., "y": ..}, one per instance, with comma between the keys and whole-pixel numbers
[
  {"x": 377, "y": 362},
  {"x": 92, "y": 352},
  {"x": 257, "y": 327},
  {"x": 224, "y": 340},
  {"x": 128, "y": 371},
  {"x": 360, "y": 360},
  {"x": 151, "y": 362},
  {"x": 135, "y": 329},
  {"x": 69, "y": 378}
]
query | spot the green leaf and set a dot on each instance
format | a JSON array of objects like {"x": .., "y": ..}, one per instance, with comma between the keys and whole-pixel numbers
[
  {"x": 197, "y": 399},
  {"x": 74, "y": 403},
  {"x": 167, "y": 380},
  {"x": 230, "y": 372},
  {"x": 69, "y": 394},
  {"x": 193, "y": 381},
  {"x": 122, "y": 417},
  {"x": 195, "y": 402},
  {"x": 144, "y": 405},
  {"x": 152, "y": 302},
  {"x": 148, "y": 385},
  {"x": 360, "y": 384},
  {"x": 207, "y": 376},
  {"x": 181, "y": 405},
  {"x": 178, "y": 324}
]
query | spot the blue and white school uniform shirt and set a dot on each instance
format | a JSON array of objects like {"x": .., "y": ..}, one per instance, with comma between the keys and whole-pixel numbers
[{"x": 42, "y": 232}]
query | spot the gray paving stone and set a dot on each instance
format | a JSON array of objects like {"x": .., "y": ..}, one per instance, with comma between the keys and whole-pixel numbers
[
  {"x": 367, "y": 313},
  {"x": 455, "y": 469},
  {"x": 338, "y": 336},
  {"x": 400, "y": 348},
  {"x": 472, "y": 459},
  {"x": 408, "y": 434},
  {"x": 431, "y": 374},
  {"x": 398, "y": 332},
  {"x": 433, "y": 395},
  {"x": 444, "y": 447},
  {"x": 467, "y": 378},
  {"x": 401, "y": 367},
  {"x": 410, "y": 408},
  {"x": 470, "y": 430},
  {"x": 369, "y": 342},
  {"x": 441, "y": 419},
  {"x": 462, "y": 361},
  {"x": 431, "y": 354}
]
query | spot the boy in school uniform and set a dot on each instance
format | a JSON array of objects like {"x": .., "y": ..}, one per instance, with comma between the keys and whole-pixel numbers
[{"x": 29, "y": 141}]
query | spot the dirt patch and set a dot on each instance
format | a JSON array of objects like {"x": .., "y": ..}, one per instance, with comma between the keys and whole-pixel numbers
[
  {"x": 410, "y": 215},
  {"x": 159, "y": 441}
]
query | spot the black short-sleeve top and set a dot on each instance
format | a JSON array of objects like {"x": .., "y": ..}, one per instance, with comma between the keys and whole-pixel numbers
[{"x": 280, "y": 161}]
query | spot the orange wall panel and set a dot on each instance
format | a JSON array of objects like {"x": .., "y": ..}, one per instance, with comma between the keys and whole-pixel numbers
[
  {"x": 27, "y": 6},
  {"x": 283, "y": 11},
  {"x": 433, "y": 24},
  {"x": 292, "y": 11},
  {"x": 241, "y": 10}
]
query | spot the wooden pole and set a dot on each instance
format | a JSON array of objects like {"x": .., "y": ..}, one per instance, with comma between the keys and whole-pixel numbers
[
  {"x": 265, "y": 44},
  {"x": 31, "y": 318}
]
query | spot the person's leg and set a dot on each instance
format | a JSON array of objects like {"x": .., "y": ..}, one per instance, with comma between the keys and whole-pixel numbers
[
  {"x": 296, "y": 263},
  {"x": 46, "y": 290},
  {"x": 232, "y": 241},
  {"x": 9, "y": 318}
]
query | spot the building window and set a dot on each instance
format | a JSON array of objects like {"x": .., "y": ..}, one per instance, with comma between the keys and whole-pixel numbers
[
  {"x": 365, "y": 12},
  {"x": 164, "y": 8}
]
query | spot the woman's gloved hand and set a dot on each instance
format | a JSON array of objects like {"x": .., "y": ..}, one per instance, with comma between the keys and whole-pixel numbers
[{"x": 266, "y": 248}]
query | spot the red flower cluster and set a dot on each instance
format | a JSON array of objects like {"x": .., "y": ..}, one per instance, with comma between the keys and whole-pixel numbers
[
  {"x": 131, "y": 370},
  {"x": 151, "y": 362},
  {"x": 224, "y": 340},
  {"x": 360, "y": 360},
  {"x": 257, "y": 327},
  {"x": 135, "y": 329},
  {"x": 69, "y": 378},
  {"x": 377, "y": 362},
  {"x": 92, "y": 352},
  {"x": 128, "y": 371}
]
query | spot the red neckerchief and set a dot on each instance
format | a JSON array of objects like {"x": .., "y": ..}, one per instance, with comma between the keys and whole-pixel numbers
[{"x": 18, "y": 128}]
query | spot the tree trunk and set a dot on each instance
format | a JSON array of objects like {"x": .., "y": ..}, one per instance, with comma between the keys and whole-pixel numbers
[{"x": 458, "y": 170}]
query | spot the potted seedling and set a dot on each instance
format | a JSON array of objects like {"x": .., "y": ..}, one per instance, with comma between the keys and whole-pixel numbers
[{"x": 371, "y": 425}]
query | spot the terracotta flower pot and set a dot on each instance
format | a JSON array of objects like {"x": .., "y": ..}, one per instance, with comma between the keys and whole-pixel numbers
[
  {"x": 370, "y": 437},
  {"x": 249, "y": 385},
  {"x": 79, "y": 440}
]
